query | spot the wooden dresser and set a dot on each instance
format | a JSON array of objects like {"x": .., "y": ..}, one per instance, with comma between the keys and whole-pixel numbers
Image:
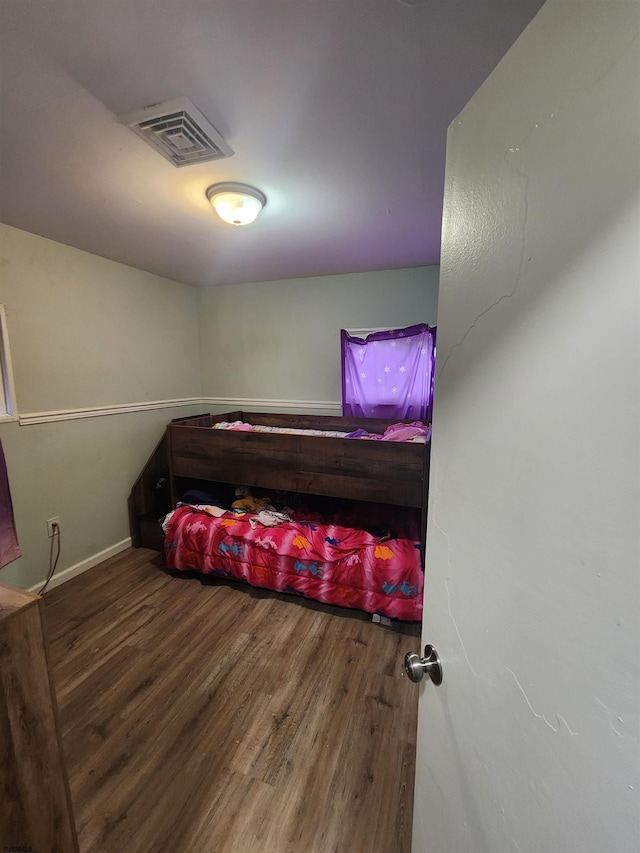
[{"x": 35, "y": 804}]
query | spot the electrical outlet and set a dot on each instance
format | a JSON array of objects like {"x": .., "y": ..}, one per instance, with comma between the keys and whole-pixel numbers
[{"x": 53, "y": 526}]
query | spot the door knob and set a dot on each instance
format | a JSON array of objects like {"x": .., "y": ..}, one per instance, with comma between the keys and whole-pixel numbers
[{"x": 416, "y": 667}]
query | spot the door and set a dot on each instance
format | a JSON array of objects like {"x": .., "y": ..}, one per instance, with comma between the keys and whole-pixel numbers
[{"x": 532, "y": 563}]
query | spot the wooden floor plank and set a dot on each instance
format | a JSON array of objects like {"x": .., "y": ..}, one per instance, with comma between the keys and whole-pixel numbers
[{"x": 213, "y": 717}]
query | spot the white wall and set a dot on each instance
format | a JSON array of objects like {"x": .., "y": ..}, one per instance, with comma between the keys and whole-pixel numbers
[
  {"x": 86, "y": 332},
  {"x": 532, "y": 572},
  {"x": 281, "y": 339}
]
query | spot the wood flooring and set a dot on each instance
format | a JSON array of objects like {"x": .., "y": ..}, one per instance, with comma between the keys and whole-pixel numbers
[{"x": 211, "y": 717}]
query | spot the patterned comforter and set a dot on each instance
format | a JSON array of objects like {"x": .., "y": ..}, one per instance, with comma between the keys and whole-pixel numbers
[{"x": 321, "y": 560}]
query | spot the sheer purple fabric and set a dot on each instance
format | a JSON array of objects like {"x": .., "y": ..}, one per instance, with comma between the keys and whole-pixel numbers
[
  {"x": 9, "y": 548},
  {"x": 389, "y": 374}
]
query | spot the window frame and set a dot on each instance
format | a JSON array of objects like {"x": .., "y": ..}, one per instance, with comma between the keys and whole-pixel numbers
[{"x": 8, "y": 409}]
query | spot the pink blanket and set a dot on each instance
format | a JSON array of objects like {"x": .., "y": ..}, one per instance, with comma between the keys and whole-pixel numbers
[{"x": 323, "y": 561}]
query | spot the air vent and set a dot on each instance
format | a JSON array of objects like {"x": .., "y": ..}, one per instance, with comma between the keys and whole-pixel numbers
[{"x": 178, "y": 130}]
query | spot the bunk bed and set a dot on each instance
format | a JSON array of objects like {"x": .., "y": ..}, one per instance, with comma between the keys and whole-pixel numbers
[{"x": 372, "y": 566}]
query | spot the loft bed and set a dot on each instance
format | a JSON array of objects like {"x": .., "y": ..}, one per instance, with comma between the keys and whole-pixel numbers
[{"x": 366, "y": 569}]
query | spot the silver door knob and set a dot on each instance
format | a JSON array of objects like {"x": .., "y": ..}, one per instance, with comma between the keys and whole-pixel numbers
[{"x": 416, "y": 667}]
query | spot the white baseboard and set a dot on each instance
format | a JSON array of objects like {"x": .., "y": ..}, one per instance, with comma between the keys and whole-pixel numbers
[
  {"x": 331, "y": 407},
  {"x": 83, "y": 565},
  {"x": 246, "y": 404},
  {"x": 103, "y": 411}
]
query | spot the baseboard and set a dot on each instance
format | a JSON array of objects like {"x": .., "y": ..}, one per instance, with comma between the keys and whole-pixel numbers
[
  {"x": 104, "y": 411},
  {"x": 330, "y": 407},
  {"x": 83, "y": 565}
]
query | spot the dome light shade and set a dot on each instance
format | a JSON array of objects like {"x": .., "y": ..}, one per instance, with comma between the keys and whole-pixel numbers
[{"x": 237, "y": 204}]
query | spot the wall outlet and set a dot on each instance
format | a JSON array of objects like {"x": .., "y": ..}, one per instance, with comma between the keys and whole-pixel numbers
[{"x": 53, "y": 526}]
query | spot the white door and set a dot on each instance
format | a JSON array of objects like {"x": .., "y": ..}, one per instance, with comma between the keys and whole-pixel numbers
[{"x": 532, "y": 566}]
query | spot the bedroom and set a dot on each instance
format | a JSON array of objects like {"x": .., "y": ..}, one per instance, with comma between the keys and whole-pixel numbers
[{"x": 90, "y": 333}]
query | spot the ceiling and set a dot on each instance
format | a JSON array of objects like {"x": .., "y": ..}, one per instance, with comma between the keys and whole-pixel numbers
[{"x": 336, "y": 109}]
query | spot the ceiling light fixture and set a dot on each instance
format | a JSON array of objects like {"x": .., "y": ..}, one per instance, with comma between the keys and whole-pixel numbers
[{"x": 237, "y": 204}]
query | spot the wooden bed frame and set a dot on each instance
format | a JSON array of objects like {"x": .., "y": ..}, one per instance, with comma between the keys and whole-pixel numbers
[{"x": 376, "y": 471}]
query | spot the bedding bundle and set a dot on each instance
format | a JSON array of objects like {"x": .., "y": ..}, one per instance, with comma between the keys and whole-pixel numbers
[
  {"x": 306, "y": 555},
  {"x": 415, "y": 432}
]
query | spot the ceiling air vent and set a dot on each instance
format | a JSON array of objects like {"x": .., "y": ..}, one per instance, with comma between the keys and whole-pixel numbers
[{"x": 178, "y": 130}]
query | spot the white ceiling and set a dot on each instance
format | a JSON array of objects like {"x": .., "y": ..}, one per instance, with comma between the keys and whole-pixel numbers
[{"x": 336, "y": 109}]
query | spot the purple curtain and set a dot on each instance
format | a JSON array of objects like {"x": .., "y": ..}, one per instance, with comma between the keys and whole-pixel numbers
[
  {"x": 389, "y": 374},
  {"x": 9, "y": 548}
]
